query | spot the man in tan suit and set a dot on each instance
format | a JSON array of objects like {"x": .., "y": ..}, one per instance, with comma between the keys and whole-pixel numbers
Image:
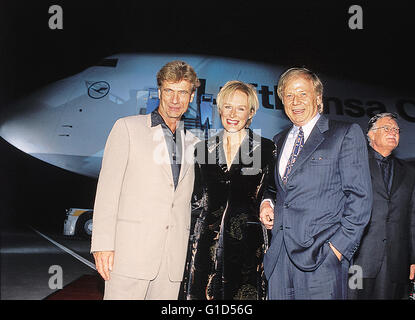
[{"x": 142, "y": 206}]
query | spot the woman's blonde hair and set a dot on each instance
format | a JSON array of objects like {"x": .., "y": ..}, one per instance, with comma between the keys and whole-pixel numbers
[{"x": 231, "y": 87}]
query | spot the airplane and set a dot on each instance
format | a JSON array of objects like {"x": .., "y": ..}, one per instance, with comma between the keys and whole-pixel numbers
[{"x": 66, "y": 123}]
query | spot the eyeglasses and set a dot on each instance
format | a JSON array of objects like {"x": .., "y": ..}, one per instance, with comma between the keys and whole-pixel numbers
[{"x": 387, "y": 129}]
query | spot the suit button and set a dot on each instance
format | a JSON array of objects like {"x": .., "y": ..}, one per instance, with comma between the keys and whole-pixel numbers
[{"x": 286, "y": 205}]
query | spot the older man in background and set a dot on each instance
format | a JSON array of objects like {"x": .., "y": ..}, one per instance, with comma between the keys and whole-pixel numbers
[{"x": 387, "y": 252}]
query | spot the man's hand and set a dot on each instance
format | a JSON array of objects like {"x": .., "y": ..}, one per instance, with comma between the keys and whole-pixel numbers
[
  {"x": 412, "y": 272},
  {"x": 103, "y": 262},
  {"x": 266, "y": 215},
  {"x": 336, "y": 252}
]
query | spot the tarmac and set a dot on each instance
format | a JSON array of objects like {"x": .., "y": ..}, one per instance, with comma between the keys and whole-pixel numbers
[{"x": 35, "y": 264}]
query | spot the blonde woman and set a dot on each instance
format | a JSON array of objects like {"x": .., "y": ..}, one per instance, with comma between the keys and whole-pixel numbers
[{"x": 228, "y": 241}]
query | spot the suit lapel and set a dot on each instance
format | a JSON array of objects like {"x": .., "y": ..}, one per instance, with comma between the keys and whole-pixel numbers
[
  {"x": 279, "y": 147},
  {"x": 160, "y": 151},
  {"x": 314, "y": 140},
  {"x": 188, "y": 141},
  {"x": 398, "y": 176}
]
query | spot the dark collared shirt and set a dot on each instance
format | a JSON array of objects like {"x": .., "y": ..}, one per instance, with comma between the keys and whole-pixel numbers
[
  {"x": 173, "y": 142},
  {"x": 386, "y": 166}
]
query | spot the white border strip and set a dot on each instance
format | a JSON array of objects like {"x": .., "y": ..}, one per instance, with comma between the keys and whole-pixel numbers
[{"x": 73, "y": 254}]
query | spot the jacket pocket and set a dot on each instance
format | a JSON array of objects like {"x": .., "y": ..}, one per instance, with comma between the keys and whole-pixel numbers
[{"x": 320, "y": 161}]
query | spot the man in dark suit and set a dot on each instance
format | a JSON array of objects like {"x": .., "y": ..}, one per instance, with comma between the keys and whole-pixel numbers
[
  {"x": 322, "y": 196},
  {"x": 387, "y": 253}
]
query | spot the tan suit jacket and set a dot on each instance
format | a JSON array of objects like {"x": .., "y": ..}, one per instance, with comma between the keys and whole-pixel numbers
[{"x": 137, "y": 212}]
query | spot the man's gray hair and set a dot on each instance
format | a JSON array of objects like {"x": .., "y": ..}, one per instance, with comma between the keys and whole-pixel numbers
[{"x": 375, "y": 118}]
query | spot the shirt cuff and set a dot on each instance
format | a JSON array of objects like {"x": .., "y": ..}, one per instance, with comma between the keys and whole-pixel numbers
[{"x": 270, "y": 202}]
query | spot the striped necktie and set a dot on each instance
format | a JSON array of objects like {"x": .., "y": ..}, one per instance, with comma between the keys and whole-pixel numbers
[{"x": 298, "y": 145}]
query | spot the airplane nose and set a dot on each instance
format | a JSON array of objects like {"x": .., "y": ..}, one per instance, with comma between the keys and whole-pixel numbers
[
  {"x": 36, "y": 125},
  {"x": 25, "y": 125}
]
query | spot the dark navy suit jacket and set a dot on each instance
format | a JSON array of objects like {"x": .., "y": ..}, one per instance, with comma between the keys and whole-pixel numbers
[{"x": 327, "y": 198}]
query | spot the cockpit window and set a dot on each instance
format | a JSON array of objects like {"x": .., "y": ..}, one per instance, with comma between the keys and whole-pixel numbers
[{"x": 107, "y": 63}]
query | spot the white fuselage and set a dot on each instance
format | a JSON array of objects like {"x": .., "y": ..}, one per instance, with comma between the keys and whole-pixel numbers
[{"x": 67, "y": 123}]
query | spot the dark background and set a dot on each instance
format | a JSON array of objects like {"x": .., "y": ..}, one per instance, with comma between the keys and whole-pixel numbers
[{"x": 314, "y": 34}]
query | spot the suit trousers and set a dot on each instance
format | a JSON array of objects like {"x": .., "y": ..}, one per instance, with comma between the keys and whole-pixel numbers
[
  {"x": 327, "y": 282},
  {"x": 160, "y": 288}
]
